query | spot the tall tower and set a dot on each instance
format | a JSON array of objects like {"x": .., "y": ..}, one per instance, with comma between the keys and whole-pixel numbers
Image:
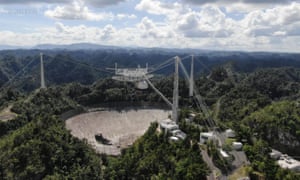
[
  {"x": 43, "y": 85},
  {"x": 192, "y": 78},
  {"x": 175, "y": 92}
]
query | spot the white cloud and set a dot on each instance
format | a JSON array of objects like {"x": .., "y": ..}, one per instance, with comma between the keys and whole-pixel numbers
[
  {"x": 279, "y": 33},
  {"x": 240, "y": 6},
  {"x": 258, "y": 2},
  {"x": 211, "y": 27},
  {"x": 272, "y": 21},
  {"x": 108, "y": 32},
  {"x": 151, "y": 30},
  {"x": 77, "y": 11},
  {"x": 172, "y": 24},
  {"x": 126, "y": 16},
  {"x": 95, "y": 3},
  {"x": 3, "y": 11},
  {"x": 101, "y": 3},
  {"x": 159, "y": 8},
  {"x": 209, "y": 22}
]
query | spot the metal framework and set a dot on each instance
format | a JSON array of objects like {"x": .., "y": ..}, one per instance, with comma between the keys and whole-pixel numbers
[
  {"x": 135, "y": 75},
  {"x": 191, "y": 92},
  {"x": 141, "y": 77}
]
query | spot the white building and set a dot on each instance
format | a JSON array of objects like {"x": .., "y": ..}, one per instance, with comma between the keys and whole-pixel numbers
[
  {"x": 230, "y": 133},
  {"x": 275, "y": 154},
  {"x": 287, "y": 162},
  {"x": 237, "y": 145},
  {"x": 179, "y": 134},
  {"x": 168, "y": 125},
  {"x": 173, "y": 139},
  {"x": 205, "y": 136},
  {"x": 224, "y": 154}
]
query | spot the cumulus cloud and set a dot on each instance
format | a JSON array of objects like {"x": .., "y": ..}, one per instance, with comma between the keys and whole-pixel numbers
[
  {"x": 32, "y": 1},
  {"x": 210, "y": 22},
  {"x": 97, "y": 3},
  {"x": 3, "y": 11},
  {"x": 273, "y": 21},
  {"x": 158, "y": 7},
  {"x": 201, "y": 2},
  {"x": 101, "y": 3},
  {"x": 108, "y": 32},
  {"x": 210, "y": 26},
  {"x": 240, "y": 6},
  {"x": 126, "y": 16},
  {"x": 150, "y": 29},
  {"x": 77, "y": 10}
]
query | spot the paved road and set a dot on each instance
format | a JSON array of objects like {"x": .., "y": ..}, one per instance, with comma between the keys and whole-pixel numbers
[
  {"x": 240, "y": 158},
  {"x": 212, "y": 167}
]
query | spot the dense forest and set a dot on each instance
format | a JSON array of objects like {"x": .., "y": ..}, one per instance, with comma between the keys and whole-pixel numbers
[
  {"x": 257, "y": 95},
  {"x": 86, "y": 66}
]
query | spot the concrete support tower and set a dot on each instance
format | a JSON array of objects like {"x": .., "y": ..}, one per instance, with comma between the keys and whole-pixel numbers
[
  {"x": 192, "y": 78},
  {"x": 43, "y": 85},
  {"x": 175, "y": 91}
]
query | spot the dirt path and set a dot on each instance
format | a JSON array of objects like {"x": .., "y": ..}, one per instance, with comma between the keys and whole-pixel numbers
[{"x": 6, "y": 114}]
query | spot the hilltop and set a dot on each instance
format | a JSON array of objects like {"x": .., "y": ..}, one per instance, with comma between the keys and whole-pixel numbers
[{"x": 257, "y": 97}]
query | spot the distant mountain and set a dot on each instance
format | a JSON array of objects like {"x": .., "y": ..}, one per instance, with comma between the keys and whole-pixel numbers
[
  {"x": 91, "y": 46},
  {"x": 77, "y": 46},
  {"x": 8, "y": 47}
]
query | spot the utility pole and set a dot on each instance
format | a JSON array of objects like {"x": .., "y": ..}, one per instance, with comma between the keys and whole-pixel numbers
[
  {"x": 175, "y": 91},
  {"x": 43, "y": 85},
  {"x": 192, "y": 78}
]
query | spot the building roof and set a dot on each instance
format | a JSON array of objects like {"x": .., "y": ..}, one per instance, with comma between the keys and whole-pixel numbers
[
  {"x": 173, "y": 138},
  {"x": 229, "y": 131},
  {"x": 289, "y": 163},
  {"x": 168, "y": 124},
  {"x": 237, "y": 143},
  {"x": 178, "y": 133},
  {"x": 224, "y": 154},
  {"x": 207, "y": 134},
  {"x": 275, "y": 154},
  {"x": 192, "y": 115}
]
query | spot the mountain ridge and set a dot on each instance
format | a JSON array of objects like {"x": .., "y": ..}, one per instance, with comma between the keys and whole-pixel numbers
[{"x": 95, "y": 46}]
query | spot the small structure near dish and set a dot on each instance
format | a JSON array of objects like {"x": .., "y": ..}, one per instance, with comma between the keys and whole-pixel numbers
[
  {"x": 237, "y": 145},
  {"x": 286, "y": 162},
  {"x": 179, "y": 134},
  {"x": 173, "y": 139},
  {"x": 99, "y": 138},
  {"x": 169, "y": 126},
  {"x": 230, "y": 133},
  {"x": 275, "y": 154},
  {"x": 224, "y": 154},
  {"x": 205, "y": 136}
]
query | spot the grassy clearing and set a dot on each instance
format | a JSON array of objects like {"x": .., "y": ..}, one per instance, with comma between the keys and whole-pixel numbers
[
  {"x": 6, "y": 114},
  {"x": 239, "y": 173}
]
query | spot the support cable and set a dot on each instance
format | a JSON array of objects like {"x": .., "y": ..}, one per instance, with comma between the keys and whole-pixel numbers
[
  {"x": 158, "y": 92},
  {"x": 16, "y": 75}
]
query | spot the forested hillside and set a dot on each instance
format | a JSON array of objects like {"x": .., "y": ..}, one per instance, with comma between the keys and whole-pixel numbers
[
  {"x": 250, "y": 93},
  {"x": 86, "y": 66}
]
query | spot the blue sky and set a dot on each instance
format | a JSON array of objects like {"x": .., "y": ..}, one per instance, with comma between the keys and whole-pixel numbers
[{"x": 248, "y": 25}]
